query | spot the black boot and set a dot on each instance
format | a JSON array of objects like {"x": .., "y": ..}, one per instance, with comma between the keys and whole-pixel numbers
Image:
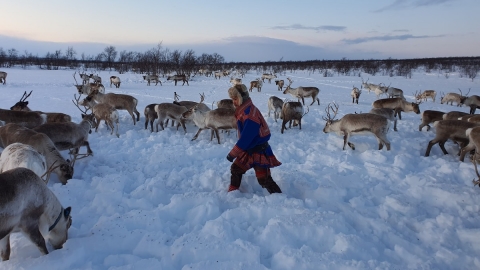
[
  {"x": 236, "y": 177},
  {"x": 270, "y": 185}
]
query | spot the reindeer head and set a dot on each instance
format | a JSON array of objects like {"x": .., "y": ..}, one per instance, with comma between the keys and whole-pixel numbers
[
  {"x": 22, "y": 104},
  {"x": 330, "y": 119}
]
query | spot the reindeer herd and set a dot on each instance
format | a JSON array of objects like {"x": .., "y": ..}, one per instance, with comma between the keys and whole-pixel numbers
[{"x": 33, "y": 139}]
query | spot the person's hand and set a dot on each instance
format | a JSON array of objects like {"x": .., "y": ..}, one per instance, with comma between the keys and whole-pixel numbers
[{"x": 230, "y": 158}]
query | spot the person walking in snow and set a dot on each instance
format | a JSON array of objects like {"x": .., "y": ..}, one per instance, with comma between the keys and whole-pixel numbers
[{"x": 252, "y": 149}]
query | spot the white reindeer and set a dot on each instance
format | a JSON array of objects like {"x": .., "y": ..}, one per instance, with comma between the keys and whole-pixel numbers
[
  {"x": 303, "y": 92},
  {"x": 32, "y": 208},
  {"x": 351, "y": 124}
]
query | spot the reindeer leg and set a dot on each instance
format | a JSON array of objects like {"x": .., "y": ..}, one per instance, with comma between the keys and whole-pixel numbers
[
  {"x": 133, "y": 117},
  {"x": 466, "y": 149},
  {"x": 36, "y": 237},
  {"x": 196, "y": 135},
  {"x": 284, "y": 125},
  {"x": 442, "y": 146},
  {"x": 5, "y": 247},
  {"x": 89, "y": 150}
]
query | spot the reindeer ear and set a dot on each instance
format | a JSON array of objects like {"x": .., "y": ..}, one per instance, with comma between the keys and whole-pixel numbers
[
  {"x": 67, "y": 211},
  {"x": 26, "y": 102}
]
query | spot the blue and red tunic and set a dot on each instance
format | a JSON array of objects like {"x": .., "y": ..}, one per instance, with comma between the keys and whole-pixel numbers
[{"x": 252, "y": 132}]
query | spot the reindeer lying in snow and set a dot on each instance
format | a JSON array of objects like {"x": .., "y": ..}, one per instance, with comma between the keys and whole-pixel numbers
[
  {"x": 52, "y": 117},
  {"x": 27, "y": 205}
]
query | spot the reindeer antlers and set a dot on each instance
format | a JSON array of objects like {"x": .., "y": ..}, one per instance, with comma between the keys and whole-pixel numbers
[
  {"x": 327, "y": 110},
  {"x": 176, "y": 97},
  {"x": 25, "y": 96},
  {"x": 76, "y": 104}
]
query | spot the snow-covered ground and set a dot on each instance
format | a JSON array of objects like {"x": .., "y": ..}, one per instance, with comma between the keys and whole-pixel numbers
[{"x": 159, "y": 200}]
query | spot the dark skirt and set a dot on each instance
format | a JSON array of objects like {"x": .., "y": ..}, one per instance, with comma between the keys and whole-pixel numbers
[{"x": 265, "y": 159}]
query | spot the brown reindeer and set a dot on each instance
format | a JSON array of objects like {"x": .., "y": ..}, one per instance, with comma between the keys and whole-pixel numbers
[
  {"x": 399, "y": 105},
  {"x": 428, "y": 117},
  {"x": 292, "y": 111},
  {"x": 256, "y": 84},
  {"x": 118, "y": 101},
  {"x": 13, "y": 133},
  {"x": 180, "y": 77},
  {"x": 52, "y": 117},
  {"x": 450, "y": 129}
]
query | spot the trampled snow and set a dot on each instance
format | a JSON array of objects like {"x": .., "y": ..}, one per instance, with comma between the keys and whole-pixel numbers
[{"x": 159, "y": 200}]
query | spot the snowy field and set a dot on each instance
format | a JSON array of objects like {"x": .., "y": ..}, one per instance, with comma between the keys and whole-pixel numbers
[{"x": 159, "y": 200}]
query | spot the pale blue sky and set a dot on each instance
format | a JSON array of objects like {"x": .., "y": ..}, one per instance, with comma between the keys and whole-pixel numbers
[{"x": 248, "y": 30}]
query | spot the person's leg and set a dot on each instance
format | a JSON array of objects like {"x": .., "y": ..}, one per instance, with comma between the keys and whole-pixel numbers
[
  {"x": 236, "y": 177},
  {"x": 265, "y": 180}
]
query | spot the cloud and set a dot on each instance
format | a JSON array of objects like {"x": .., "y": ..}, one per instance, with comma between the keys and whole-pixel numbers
[
  {"x": 385, "y": 38},
  {"x": 399, "y": 4},
  {"x": 315, "y": 28},
  {"x": 401, "y": 30},
  {"x": 233, "y": 49}
]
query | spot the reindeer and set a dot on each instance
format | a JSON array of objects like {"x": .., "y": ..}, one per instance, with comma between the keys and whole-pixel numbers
[
  {"x": 450, "y": 129},
  {"x": 52, "y": 117},
  {"x": 269, "y": 77},
  {"x": 96, "y": 79},
  {"x": 351, "y": 124},
  {"x": 219, "y": 74},
  {"x": 397, "y": 104},
  {"x": 188, "y": 104},
  {"x": 3, "y": 77},
  {"x": 369, "y": 86},
  {"x": 355, "y": 94},
  {"x": 118, "y": 101},
  {"x": 170, "y": 111},
  {"x": 292, "y": 111},
  {"x": 88, "y": 87},
  {"x": 425, "y": 95},
  {"x": 226, "y": 104},
  {"x": 428, "y": 117},
  {"x": 235, "y": 81},
  {"x": 280, "y": 84},
  {"x": 23, "y": 155},
  {"x": 454, "y": 97},
  {"x": 473, "y": 102},
  {"x": 85, "y": 78},
  {"x": 29, "y": 206},
  {"x": 26, "y": 119},
  {"x": 115, "y": 81},
  {"x": 393, "y": 92},
  {"x": 473, "y": 135},
  {"x": 387, "y": 113},
  {"x": 180, "y": 77},
  {"x": 219, "y": 118},
  {"x": 256, "y": 84},
  {"x": 275, "y": 104},
  {"x": 13, "y": 133},
  {"x": 302, "y": 92},
  {"x": 70, "y": 135},
  {"x": 454, "y": 115},
  {"x": 107, "y": 113},
  {"x": 149, "y": 78}
]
